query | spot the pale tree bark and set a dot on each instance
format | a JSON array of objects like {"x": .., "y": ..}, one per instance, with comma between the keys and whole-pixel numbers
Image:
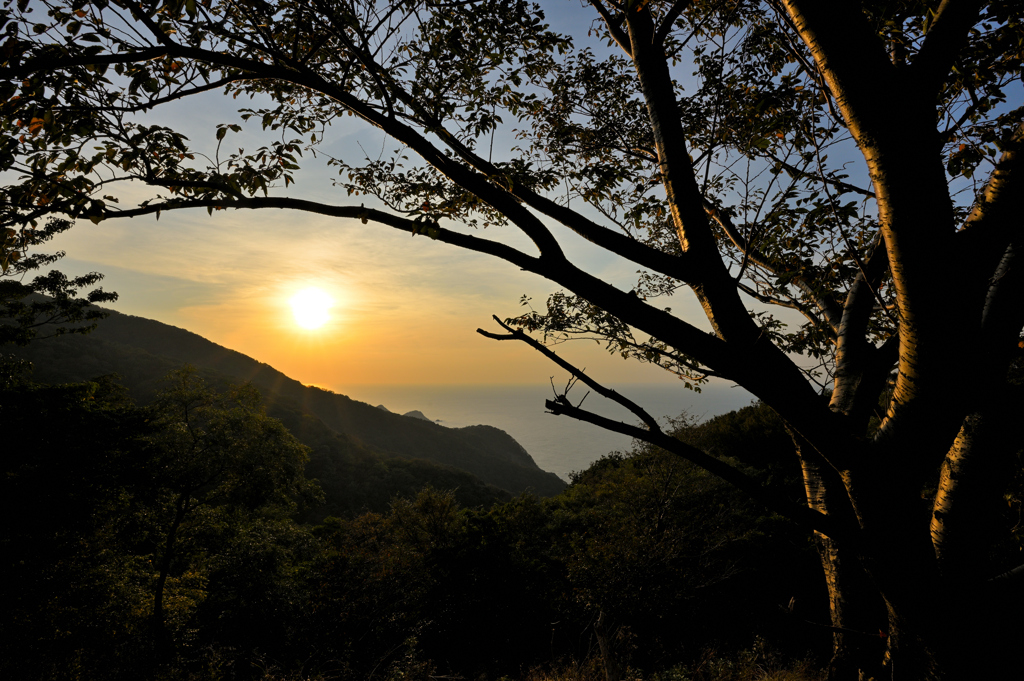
[
  {"x": 857, "y": 612},
  {"x": 968, "y": 502}
]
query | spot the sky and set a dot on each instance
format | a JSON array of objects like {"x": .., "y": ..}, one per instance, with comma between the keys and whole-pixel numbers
[{"x": 405, "y": 309}]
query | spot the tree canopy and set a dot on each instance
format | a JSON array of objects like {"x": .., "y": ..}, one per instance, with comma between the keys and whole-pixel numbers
[
  {"x": 160, "y": 541},
  {"x": 139, "y": 527},
  {"x": 854, "y": 162}
]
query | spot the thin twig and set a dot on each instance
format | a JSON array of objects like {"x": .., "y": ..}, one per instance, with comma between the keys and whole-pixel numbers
[{"x": 516, "y": 334}]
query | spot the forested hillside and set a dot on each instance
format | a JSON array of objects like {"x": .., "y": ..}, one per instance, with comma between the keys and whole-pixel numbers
[
  {"x": 163, "y": 541},
  {"x": 142, "y": 351}
]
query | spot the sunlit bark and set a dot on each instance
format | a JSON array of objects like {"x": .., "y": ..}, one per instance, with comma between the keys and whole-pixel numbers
[{"x": 855, "y": 606}]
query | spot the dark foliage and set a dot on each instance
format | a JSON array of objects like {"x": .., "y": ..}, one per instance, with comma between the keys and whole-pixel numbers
[
  {"x": 49, "y": 300},
  {"x": 662, "y": 551}
]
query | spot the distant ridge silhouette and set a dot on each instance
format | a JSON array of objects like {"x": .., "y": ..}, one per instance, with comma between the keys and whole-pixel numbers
[{"x": 143, "y": 350}]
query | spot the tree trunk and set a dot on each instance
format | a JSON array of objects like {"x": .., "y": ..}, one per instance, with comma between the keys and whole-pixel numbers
[
  {"x": 612, "y": 669},
  {"x": 925, "y": 634},
  {"x": 161, "y": 637},
  {"x": 858, "y": 651},
  {"x": 854, "y": 602}
]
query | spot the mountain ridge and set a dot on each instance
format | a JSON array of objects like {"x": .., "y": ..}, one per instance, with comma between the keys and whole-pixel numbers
[{"x": 488, "y": 453}]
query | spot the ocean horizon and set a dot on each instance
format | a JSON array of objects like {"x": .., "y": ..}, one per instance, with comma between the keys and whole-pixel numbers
[{"x": 558, "y": 444}]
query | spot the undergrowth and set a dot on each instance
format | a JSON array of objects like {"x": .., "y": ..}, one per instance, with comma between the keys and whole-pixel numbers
[{"x": 756, "y": 664}]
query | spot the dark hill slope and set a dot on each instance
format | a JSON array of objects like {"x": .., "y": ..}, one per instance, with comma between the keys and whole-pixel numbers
[
  {"x": 355, "y": 478},
  {"x": 148, "y": 349}
]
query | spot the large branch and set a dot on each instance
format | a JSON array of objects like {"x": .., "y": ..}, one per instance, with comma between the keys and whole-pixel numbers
[
  {"x": 46, "y": 64},
  {"x": 946, "y": 36},
  {"x": 705, "y": 348}
]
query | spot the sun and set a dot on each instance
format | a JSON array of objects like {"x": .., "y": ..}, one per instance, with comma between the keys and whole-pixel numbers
[{"x": 311, "y": 307}]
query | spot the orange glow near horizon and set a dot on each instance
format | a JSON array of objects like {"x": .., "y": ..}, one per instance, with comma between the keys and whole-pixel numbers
[{"x": 403, "y": 312}]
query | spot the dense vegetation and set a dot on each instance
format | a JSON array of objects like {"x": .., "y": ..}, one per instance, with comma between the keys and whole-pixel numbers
[{"x": 164, "y": 541}]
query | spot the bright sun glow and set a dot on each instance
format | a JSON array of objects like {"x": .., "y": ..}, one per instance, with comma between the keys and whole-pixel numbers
[{"x": 310, "y": 307}]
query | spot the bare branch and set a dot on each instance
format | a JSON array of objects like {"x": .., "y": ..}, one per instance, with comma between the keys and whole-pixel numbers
[
  {"x": 517, "y": 334},
  {"x": 802, "y": 515}
]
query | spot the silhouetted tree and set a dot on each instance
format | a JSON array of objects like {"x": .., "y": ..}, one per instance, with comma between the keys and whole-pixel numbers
[
  {"x": 49, "y": 300},
  {"x": 855, "y": 162}
]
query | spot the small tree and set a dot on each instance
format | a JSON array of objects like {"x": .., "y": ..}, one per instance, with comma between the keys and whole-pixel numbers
[
  {"x": 174, "y": 518},
  {"x": 49, "y": 300},
  {"x": 219, "y": 464},
  {"x": 732, "y": 182}
]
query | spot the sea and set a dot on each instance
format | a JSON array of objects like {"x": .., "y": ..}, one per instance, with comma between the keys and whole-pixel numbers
[{"x": 557, "y": 443}]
